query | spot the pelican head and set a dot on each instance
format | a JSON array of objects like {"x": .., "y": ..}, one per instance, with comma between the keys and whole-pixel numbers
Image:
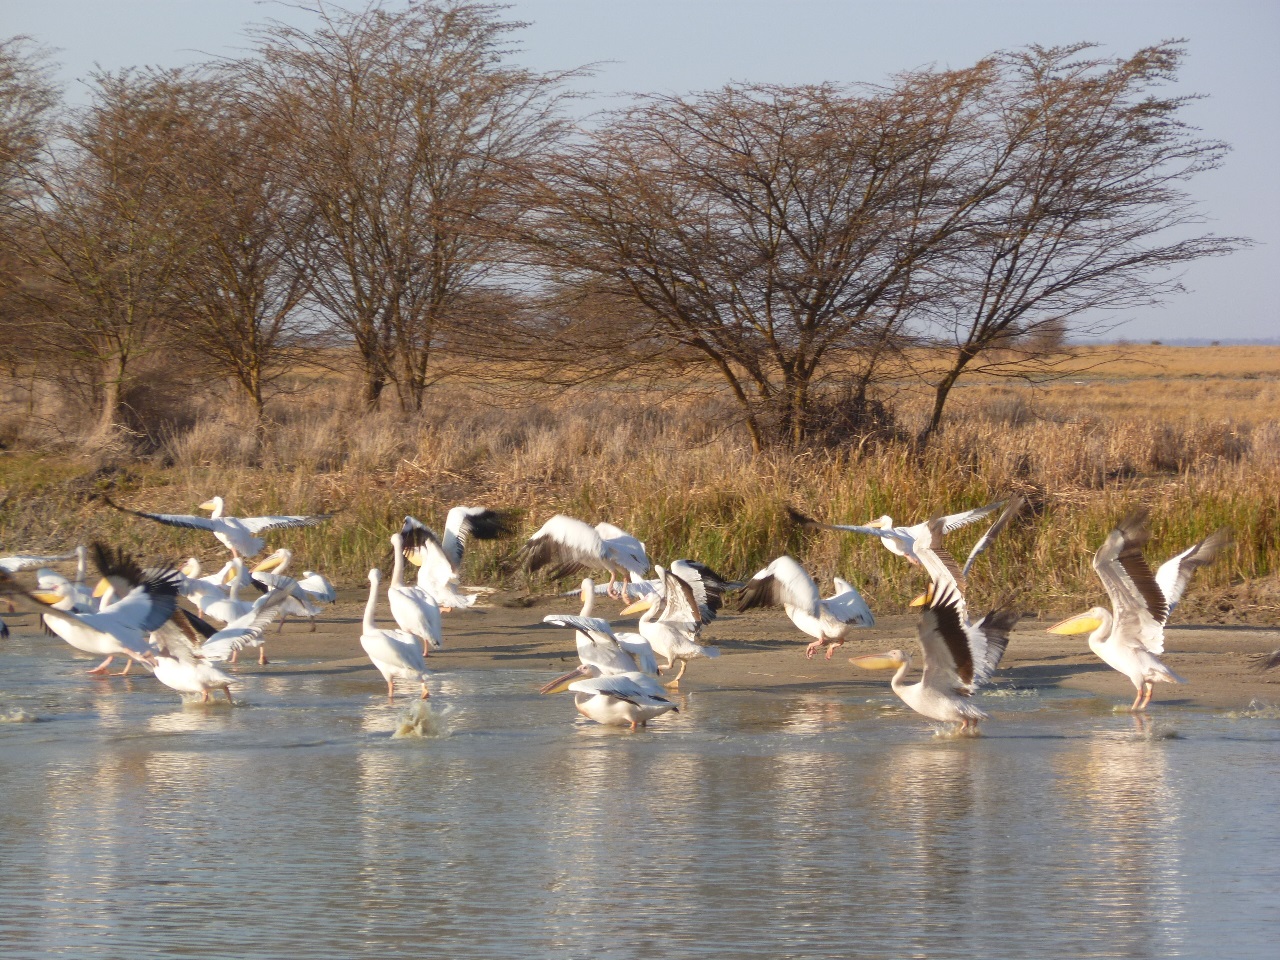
[
  {"x": 1086, "y": 622},
  {"x": 214, "y": 504},
  {"x": 277, "y": 559},
  {"x": 191, "y": 569},
  {"x": 884, "y": 523},
  {"x": 560, "y": 684},
  {"x": 882, "y": 661}
]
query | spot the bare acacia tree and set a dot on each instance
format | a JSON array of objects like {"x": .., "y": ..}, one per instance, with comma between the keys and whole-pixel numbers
[
  {"x": 110, "y": 238},
  {"x": 28, "y": 99},
  {"x": 408, "y": 128},
  {"x": 774, "y": 231},
  {"x": 242, "y": 287},
  {"x": 1091, "y": 214}
]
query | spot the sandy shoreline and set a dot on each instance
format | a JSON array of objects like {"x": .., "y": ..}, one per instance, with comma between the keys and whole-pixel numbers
[{"x": 762, "y": 650}]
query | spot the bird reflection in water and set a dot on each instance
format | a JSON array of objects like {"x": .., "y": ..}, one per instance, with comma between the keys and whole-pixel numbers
[{"x": 1128, "y": 814}]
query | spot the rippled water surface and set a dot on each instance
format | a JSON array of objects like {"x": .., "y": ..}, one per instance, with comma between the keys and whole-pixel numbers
[{"x": 787, "y": 824}]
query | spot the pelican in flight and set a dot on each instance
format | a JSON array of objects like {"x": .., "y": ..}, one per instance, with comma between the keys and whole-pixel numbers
[
  {"x": 567, "y": 545},
  {"x": 414, "y": 609},
  {"x": 439, "y": 559},
  {"x": 394, "y": 652},
  {"x": 958, "y": 659},
  {"x": 784, "y": 583},
  {"x": 674, "y": 615},
  {"x": 898, "y": 540},
  {"x": 238, "y": 534},
  {"x": 1130, "y": 637},
  {"x": 120, "y": 629},
  {"x": 610, "y": 686}
]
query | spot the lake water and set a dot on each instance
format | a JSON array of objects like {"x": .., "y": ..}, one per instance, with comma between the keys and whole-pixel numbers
[{"x": 787, "y": 824}]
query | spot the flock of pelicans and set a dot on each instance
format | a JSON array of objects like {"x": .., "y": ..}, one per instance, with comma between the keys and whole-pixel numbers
[{"x": 133, "y": 612}]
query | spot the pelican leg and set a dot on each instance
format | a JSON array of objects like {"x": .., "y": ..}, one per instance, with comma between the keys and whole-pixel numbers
[
  {"x": 205, "y": 698},
  {"x": 1137, "y": 701},
  {"x": 1149, "y": 689},
  {"x": 262, "y": 655},
  {"x": 226, "y": 688},
  {"x": 391, "y": 690},
  {"x": 235, "y": 656},
  {"x": 676, "y": 681},
  {"x": 102, "y": 667},
  {"x": 425, "y": 692},
  {"x": 125, "y": 671},
  {"x": 816, "y": 645},
  {"x": 832, "y": 647}
]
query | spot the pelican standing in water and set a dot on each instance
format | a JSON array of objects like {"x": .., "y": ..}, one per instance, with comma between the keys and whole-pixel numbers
[
  {"x": 784, "y": 583},
  {"x": 238, "y": 534},
  {"x": 1130, "y": 637},
  {"x": 958, "y": 659},
  {"x": 394, "y": 652},
  {"x": 614, "y": 682}
]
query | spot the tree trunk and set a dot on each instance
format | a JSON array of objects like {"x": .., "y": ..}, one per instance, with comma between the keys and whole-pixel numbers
[
  {"x": 940, "y": 393},
  {"x": 109, "y": 413}
]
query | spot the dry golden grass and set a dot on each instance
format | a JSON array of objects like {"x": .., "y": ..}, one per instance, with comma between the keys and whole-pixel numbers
[{"x": 1202, "y": 449}]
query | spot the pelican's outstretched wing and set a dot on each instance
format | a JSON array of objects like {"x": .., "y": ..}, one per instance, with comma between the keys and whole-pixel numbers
[{"x": 783, "y": 582}]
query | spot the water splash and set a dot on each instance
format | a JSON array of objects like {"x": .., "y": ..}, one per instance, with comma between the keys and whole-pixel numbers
[
  {"x": 18, "y": 715},
  {"x": 1256, "y": 710},
  {"x": 422, "y": 720}
]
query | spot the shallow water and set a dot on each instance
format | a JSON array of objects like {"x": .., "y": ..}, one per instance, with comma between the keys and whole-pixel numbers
[{"x": 787, "y": 824}]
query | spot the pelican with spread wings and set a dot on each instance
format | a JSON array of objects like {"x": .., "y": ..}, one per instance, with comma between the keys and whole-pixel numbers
[
  {"x": 958, "y": 659},
  {"x": 439, "y": 559},
  {"x": 238, "y": 534},
  {"x": 1129, "y": 637},
  {"x": 674, "y": 614},
  {"x": 784, "y": 583},
  {"x": 566, "y": 545},
  {"x": 899, "y": 540}
]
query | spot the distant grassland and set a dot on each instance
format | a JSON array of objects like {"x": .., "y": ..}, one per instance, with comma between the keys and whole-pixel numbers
[{"x": 1193, "y": 432}]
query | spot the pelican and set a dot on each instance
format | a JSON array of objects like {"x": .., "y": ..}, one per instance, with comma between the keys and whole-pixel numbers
[
  {"x": 27, "y": 562},
  {"x": 269, "y": 575},
  {"x": 608, "y": 686},
  {"x": 1129, "y": 637},
  {"x": 942, "y": 567},
  {"x": 440, "y": 558},
  {"x": 958, "y": 659},
  {"x": 228, "y": 606},
  {"x": 120, "y": 629},
  {"x": 673, "y": 618},
  {"x": 246, "y": 631},
  {"x": 1175, "y": 573},
  {"x": 898, "y": 540},
  {"x": 181, "y": 666},
  {"x": 393, "y": 652},
  {"x": 414, "y": 609},
  {"x": 238, "y": 534},
  {"x": 785, "y": 583},
  {"x": 568, "y": 545}
]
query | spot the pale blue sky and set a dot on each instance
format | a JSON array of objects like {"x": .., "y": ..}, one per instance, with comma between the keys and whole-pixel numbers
[{"x": 676, "y": 46}]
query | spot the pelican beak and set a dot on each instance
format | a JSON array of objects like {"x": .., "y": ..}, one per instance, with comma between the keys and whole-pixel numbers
[
  {"x": 270, "y": 563},
  {"x": 1083, "y": 623},
  {"x": 191, "y": 568},
  {"x": 208, "y": 505},
  {"x": 562, "y": 683},
  {"x": 103, "y": 586},
  {"x": 921, "y": 601},
  {"x": 877, "y": 661},
  {"x": 45, "y": 596},
  {"x": 644, "y": 603}
]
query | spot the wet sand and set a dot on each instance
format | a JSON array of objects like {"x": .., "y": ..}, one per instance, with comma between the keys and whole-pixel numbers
[{"x": 762, "y": 650}]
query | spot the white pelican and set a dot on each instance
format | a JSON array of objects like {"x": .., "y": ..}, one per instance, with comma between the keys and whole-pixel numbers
[
  {"x": 181, "y": 666},
  {"x": 393, "y": 652},
  {"x": 269, "y": 575},
  {"x": 414, "y": 609},
  {"x": 785, "y": 583},
  {"x": 958, "y": 658},
  {"x": 1129, "y": 637},
  {"x": 1175, "y": 573},
  {"x": 119, "y": 630},
  {"x": 28, "y": 562},
  {"x": 440, "y": 558},
  {"x": 238, "y": 534},
  {"x": 608, "y": 687},
  {"x": 245, "y": 632},
  {"x": 942, "y": 567},
  {"x": 227, "y": 607},
  {"x": 898, "y": 540},
  {"x": 567, "y": 545},
  {"x": 673, "y": 618}
]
